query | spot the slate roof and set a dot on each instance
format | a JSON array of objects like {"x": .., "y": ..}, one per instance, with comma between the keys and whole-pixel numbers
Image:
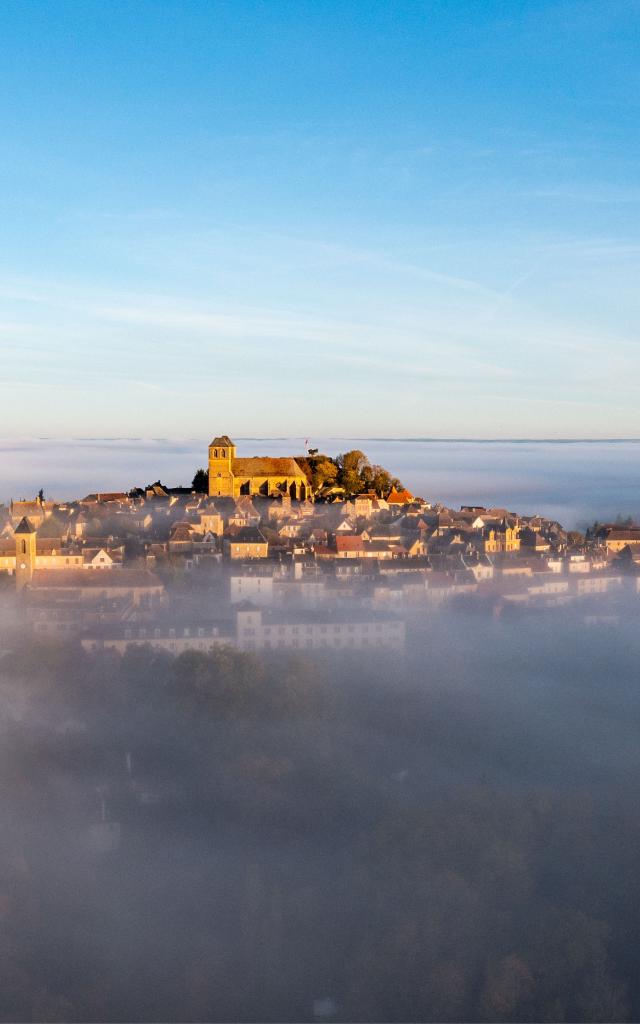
[
  {"x": 27, "y": 508},
  {"x": 25, "y": 526},
  {"x": 246, "y": 535}
]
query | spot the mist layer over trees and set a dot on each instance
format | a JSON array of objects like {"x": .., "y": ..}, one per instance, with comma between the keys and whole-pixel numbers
[{"x": 449, "y": 836}]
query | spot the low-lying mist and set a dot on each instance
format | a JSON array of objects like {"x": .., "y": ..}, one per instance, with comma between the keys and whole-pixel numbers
[
  {"x": 554, "y": 478},
  {"x": 449, "y": 835}
]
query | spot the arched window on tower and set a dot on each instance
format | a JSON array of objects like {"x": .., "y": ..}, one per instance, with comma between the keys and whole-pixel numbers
[
  {"x": 223, "y": 454},
  {"x": 24, "y": 547},
  {"x": 215, "y": 453}
]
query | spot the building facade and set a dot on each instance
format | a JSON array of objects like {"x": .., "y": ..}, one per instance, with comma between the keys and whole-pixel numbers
[{"x": 230, "y": 476}]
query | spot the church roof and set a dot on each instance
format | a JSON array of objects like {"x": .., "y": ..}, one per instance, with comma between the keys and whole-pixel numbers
[
  {"x": 27, "y": 508},
  {"x": 25, "y": 526},
  {"x": 223, "y": 440},
  {"x": 264, "y": 466}
]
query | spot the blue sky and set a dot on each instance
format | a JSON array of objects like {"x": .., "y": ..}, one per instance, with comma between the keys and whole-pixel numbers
[{"x": 400, "y": 219}]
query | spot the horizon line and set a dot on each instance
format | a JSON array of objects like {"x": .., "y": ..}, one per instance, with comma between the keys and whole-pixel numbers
[{"x": 342, "y": 437}]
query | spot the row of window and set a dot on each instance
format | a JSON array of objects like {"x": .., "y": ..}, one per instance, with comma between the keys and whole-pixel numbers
[
  {"x": 128, "y": 633},
  {"x": 349, "y": 628},
  {"x": 377, "y": 641}
]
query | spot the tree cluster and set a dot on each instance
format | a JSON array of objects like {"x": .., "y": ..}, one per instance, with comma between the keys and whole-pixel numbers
[
  {"x": 200, "y": 482},
  {"x": 350, "y": 471},
  {"x": 620, "y": 523}
]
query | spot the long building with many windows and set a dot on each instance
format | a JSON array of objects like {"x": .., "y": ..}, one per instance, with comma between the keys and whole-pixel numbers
[{"x": 255, "y": 630}]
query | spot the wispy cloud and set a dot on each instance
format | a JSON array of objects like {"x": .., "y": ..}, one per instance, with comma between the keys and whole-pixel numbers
[{"x": 592, "y": 194}]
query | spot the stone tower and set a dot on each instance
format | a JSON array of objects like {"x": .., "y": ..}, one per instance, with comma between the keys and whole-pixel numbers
[
  {"x": 25, "y": 537},
  {"x": 222, "y": 452}
]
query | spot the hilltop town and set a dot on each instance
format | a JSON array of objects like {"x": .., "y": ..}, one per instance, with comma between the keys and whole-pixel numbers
[{"x": 305, "y": 552}]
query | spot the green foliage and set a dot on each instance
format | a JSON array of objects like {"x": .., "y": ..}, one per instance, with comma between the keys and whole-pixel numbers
[
  {"x": 319, "y": 470},
  {"x": 325, "y": 473},
  {"x": 356, "y": 474},
  {"x": 378, "y": 479},
  {"x": 229, "y": 684},
  {"x": 350, "y": 470},
  {"x": 200, "y": 482}
]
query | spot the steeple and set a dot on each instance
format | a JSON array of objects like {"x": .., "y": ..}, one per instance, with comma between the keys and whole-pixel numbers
[
  {"x": 25, "y": 538},
  {"x": 222, "y": 447},
  {"x": 222, "y": 452}
]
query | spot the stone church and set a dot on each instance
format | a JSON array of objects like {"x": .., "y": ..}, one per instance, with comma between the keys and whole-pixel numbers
[{"x": 230, "y": 476}]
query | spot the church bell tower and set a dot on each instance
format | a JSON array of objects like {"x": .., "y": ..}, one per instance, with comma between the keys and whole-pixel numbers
[
  {"x": 25, "y": 538},
  {"x": 222, "y": 452}
]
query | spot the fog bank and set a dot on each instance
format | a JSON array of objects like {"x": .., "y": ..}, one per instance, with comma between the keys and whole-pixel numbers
[
  {"x": 572, "y": 482},
  {"x": 450, "y": 835}
]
